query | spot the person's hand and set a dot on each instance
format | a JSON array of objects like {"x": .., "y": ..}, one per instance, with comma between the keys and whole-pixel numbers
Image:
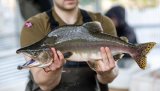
[
  {"x": 106, "y": 64},
  {"x": 49, "y": 77},
  {"x": 106, "y": 68},
  {"x": 58, "y": 61}
]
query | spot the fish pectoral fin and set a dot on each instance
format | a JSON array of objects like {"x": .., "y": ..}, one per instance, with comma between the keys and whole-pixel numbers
[
  {"x": 92, "y": 64},
  {"x": 118, "y": 56},
  {"x": 67, "y": 54},
  {"x": 124, "y": 39},
  {"x": 93, "y": 27}
]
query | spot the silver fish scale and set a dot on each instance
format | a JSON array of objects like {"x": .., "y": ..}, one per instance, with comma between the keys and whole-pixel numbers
[
  {"x": 72, "y": 33},
  {"x": 79, "y": 36}
]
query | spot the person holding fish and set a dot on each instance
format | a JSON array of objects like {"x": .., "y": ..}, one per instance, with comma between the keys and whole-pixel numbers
[{"x": 65, "y": 51}]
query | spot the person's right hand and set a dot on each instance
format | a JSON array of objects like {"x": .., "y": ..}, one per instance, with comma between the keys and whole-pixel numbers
[
  {"x": 49, "y": 77},
  {"x": 58, "y": 61}
]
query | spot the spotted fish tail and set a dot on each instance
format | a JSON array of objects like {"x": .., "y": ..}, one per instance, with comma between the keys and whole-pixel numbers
[{"x": 142, "y": 51}]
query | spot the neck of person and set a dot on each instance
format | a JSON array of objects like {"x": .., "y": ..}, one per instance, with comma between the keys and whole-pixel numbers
[{"x": 69, "y": 17}]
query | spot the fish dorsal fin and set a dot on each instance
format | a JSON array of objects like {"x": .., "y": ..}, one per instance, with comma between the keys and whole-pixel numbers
[
  {"x": 94, "y": 27},
  {"x": 124, "y": 39}
]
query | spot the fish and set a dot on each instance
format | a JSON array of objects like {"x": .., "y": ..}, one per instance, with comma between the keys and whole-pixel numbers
[{"x": 82, "y": 43}]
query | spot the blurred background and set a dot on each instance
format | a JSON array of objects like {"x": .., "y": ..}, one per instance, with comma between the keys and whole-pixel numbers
[{"x": 142, "y": 17}]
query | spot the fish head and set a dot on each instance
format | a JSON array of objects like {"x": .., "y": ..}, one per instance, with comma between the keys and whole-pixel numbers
[{"x": 36, "y": 57}]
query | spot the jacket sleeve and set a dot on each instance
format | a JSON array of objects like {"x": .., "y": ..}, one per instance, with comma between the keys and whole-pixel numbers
[
  {"x": 32, "y": 31},
  {"x": 108, "y": 26}
]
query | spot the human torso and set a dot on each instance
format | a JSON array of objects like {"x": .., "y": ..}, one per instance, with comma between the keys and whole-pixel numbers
[{"x": 75, "y": 76}]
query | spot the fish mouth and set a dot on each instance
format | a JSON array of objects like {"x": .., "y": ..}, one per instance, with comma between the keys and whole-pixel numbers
[
  {"x": 32, "y": 61},
  {"x": 26, "y": 65}
]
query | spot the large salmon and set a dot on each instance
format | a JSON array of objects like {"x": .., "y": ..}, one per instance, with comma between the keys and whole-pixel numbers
[{"x": 82, "y": 43}]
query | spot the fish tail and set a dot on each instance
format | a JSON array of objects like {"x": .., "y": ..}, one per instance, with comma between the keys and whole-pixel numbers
[{"x": 141, "y": 51}]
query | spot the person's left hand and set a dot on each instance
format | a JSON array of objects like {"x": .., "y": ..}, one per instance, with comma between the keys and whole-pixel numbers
[{"x": 106, "y": 64}]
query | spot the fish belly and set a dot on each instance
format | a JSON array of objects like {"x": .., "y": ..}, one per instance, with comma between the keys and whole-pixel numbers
[{"x": 85, "y": 56}]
